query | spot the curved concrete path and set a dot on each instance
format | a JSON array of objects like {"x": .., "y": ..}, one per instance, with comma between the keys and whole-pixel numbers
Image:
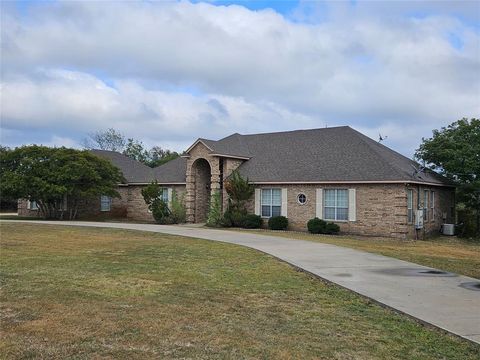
[{"x": 439, "y": 300}]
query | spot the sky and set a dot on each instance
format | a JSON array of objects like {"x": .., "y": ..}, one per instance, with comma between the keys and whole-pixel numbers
[{"x": 167, "y": 73}]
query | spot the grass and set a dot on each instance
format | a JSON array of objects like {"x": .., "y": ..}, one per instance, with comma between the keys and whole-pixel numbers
[
  {"x": 103, "y": 293},
  {"x": 446, "y": 253}
]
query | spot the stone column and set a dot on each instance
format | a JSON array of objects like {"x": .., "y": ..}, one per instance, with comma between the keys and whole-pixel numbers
[{"x": 190, "y": 193}]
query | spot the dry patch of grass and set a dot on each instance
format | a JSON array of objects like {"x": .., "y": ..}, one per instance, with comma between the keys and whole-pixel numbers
[
  {"x": 104, "y": 293},
  {"x": 446, "y": 253}
]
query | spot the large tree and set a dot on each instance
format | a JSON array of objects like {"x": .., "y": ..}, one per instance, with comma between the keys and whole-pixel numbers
[
  {"x": 454, "y": 151},
  {"x": 109, "y": 139},
  {"x": 49, "y": 176}
]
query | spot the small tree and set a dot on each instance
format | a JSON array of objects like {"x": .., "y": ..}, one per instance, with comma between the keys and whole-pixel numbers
[
  {"x": 238, "y": 189},
  {"x": 49, "y": 175},
  {"x": 179, "y": 212},
  {"x": 152, "y": 194},
  {"x": 214, "y": 218}
]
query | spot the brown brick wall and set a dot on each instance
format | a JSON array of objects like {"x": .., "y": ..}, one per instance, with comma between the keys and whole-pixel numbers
[
  {"x": 444, "y": 213},
  {"x": 381, "y": 209},
  {"x": 137, "y": 209},
  {"x": 130, "y": 205}
]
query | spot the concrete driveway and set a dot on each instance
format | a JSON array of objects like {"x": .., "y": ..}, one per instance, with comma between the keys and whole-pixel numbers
[{"x": 440, "y": 299}]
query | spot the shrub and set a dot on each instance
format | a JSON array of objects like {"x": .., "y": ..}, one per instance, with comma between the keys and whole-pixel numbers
[
  {"x": 319, "y": 226},
  {"x": 178, "y": 210},
  {"x": 332, "y": 228},
  {"x": 316, "y": 226},
  {"x": 278, "y": 223},
  {"x": 252, "y": 221},
  {"x": 234, "y": 216},
  {"x": 160, "y": 211},
  {"x": 214, "y": 218}
]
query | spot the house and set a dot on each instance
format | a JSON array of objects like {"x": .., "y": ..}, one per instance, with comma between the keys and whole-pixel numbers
[{"x": 336, "y": 174}]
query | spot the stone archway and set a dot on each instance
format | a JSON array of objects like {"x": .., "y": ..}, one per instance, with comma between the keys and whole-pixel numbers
[{"x": 202, "y": 173}]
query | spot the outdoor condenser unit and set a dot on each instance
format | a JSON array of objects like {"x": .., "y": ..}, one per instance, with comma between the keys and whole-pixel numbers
[{"x": 448, "y": 229}]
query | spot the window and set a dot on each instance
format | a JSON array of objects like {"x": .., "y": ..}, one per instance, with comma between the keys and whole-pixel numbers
[
  {"x": 335, "y": 204},
  {"x": 32, "y": 205},
  {"x": 301, "y": 199},
  {"x": 164, "y": 195},
  {"x": 432, "y": 205},
  {"x": 105, "y": 203},
  {"x": 410, "y": 206},
  {"x": 425, "y": 205},
  {"x": 271, "y": 202}
]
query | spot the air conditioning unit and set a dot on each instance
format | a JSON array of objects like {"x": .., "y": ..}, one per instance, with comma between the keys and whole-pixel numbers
[{"x": 448, "y": 229}]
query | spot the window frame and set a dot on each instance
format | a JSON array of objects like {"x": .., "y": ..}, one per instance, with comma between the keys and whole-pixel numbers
[
  {"x": 298, "y": 198},
  {"x": 425, "y": 205},
  {"x": 164, "y": 195},
  {"x": 270, "y": 204},
  {"x": 410, "y": 214},
  {"x": 336, "y": 207},
  {"x": 432, "y": 205},
  {"x": 30, "y": 205},
  {"x": 103, "y": 202}
]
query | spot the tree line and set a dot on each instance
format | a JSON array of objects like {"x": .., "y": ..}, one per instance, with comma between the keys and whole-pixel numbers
[{"x": 113, "y": 140}]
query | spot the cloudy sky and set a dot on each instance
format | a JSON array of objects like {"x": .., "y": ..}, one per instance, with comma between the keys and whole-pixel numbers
[{"x": 169, "y": 72}]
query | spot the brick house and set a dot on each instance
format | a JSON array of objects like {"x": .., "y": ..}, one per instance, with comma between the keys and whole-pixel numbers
[{"x": 336, "y": 174}]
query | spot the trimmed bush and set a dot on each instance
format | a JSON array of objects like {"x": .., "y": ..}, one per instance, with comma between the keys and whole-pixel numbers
[
  {"x": 316, "y": 226},
  {"x": 234, "y": 217},
  {"x": 332, "y": 228},
  {"x": 278, "y": 223},
  {"x": 252, "y": 221},
  {"x": 319, "y": 226}
]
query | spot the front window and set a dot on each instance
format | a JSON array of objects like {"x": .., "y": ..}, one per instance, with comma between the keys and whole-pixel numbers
[
  {"x": 410, "y": 205},
  {"x": 164, "y": 195},
  {"x": 271, "y": 202},
  {"x": 432, "y": 204},
  {"x": 425, "y": 205},
  {"x": 336, "y": 204},
  {"x": 33, "y": 205},
  {"x": 105, "y": 203}
]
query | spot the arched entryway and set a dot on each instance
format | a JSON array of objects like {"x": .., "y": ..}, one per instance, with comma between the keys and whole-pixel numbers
[{"x": 202, "y": 173}]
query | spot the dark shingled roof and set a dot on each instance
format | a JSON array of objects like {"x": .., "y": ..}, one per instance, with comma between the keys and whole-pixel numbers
[
  {"x": 329, "y": 154},
  {"x": 173, "y": 171},
  {"x": 133, "y": 171},
  {"x": 335, "y": 154}
]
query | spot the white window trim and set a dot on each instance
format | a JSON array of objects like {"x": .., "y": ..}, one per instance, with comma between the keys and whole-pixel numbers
[
  {"x": 425, "y": 205},
  {"x": 335, "y": 207},
  {"x": 410, "y": 206},
  {"x": 298, "y": 198},
  {"x": 30, "y": 207},
  {"x": 102, "y": 202},
  {"x": 271, "y": 202},
  {"x": 432, "y": 205}
]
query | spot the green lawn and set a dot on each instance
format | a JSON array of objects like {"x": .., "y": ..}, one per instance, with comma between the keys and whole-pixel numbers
[
  {"x": 104, "y": 293},
  {"x": 446, "y": 253}
]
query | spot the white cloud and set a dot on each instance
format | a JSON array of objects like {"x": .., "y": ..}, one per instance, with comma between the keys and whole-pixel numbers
[
  {"x": 179, "y": 70},
  {"x": 67, "y": 101}
]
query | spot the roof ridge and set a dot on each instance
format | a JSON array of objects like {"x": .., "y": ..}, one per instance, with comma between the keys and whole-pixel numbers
[{"x": 294, "y": 131}]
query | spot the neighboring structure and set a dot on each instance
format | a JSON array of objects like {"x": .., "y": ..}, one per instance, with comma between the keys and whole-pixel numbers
[{"x": 336, "y": 174}]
